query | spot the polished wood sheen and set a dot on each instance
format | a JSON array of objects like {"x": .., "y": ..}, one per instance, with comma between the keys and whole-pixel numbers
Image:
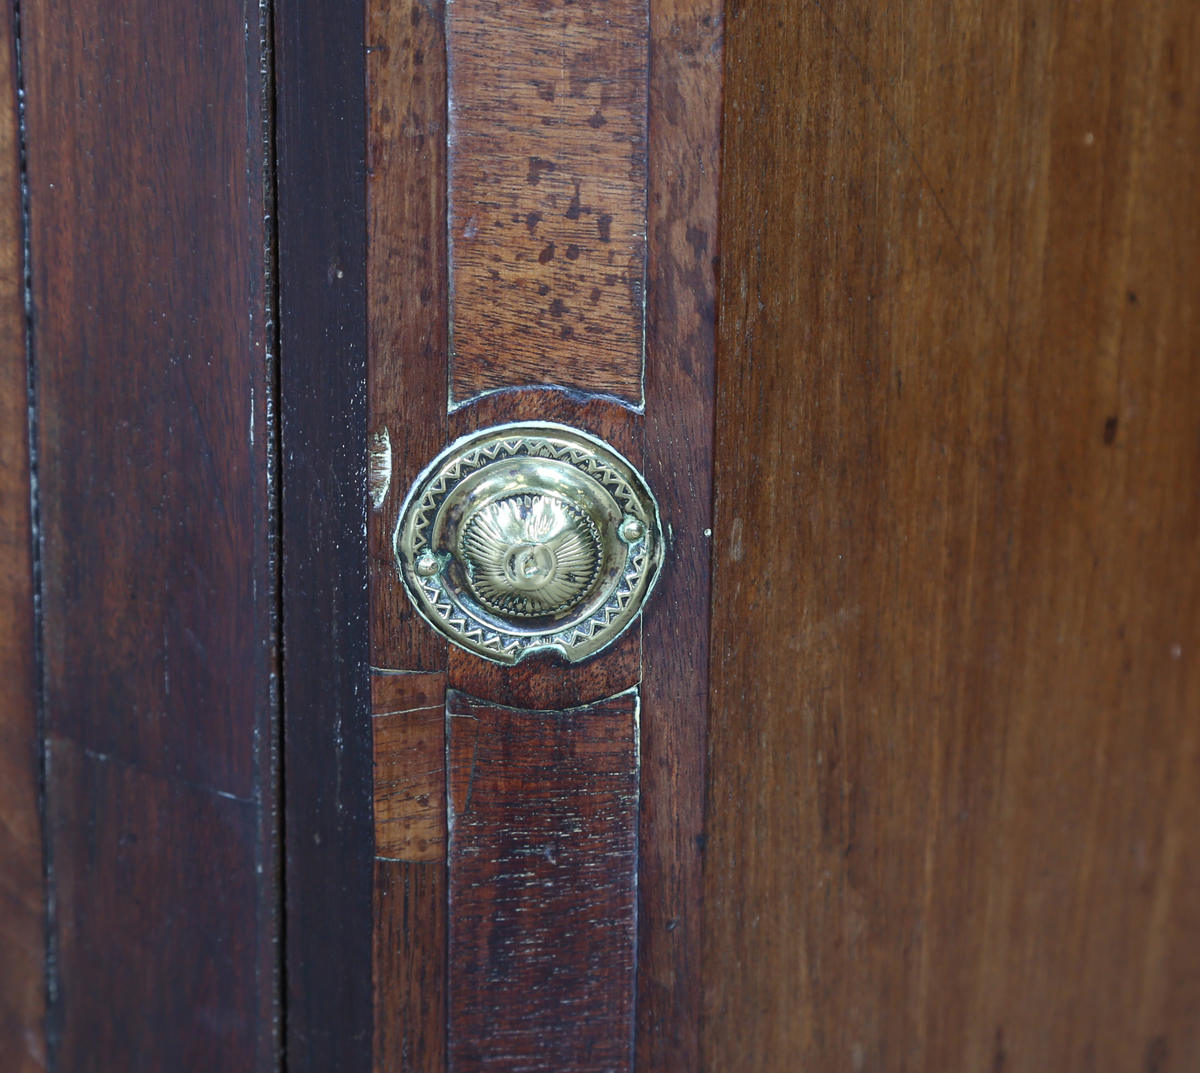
[
  {"x": 543, "y": 852},
  {"x": 547, "y": 211},
  {"x": 145, "y": 141},
  {"x": 955, "y": 766},
  {"x": 22, "y": 891}
]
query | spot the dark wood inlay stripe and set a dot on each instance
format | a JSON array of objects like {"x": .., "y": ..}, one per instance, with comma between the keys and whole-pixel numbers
[
  {"x": 410, "y": 966},
  {"x": 685, "y": 129},
  {"x": 22, "y": 890}
]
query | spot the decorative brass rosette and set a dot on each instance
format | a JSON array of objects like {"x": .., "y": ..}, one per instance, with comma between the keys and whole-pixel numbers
[{"x": 529, "y": 537}]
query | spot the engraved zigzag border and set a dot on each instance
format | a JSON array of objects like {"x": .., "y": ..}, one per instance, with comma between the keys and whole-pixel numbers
[
  {"x": 486, "y": 454},
  {"x": 466, "y": 626}
]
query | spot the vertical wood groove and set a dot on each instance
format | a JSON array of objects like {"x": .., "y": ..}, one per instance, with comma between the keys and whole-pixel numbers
[
  {"x": 321, "y": 163},
  {"x": 22, "y": 887}
]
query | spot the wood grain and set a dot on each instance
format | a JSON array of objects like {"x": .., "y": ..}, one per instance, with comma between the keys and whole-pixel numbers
[
  {"x": 408, "y": 331},
  {"x": 547, "y": 195},
  {"x": 543, "y": 859},
  {"x": 685, "y": 127},
  {"x": 407, "y": 293},
  {"x": 129, "y": 915},
  {"x": 145, "y": 131},
  {"x": 955, "y": 773},
  {"x": 22, "y": 890},
  {"x": 321, "y": 139},
  {"x": 409, "y": 723},
  {"x": 410, "y": 966}
]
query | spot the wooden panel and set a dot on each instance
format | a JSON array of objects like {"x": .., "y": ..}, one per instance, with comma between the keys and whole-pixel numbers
[
  {"x": 408, "y": 329},
  {"x": 407, "y": 289},
  {"x": 321, "y": 139},
  {"x": 543, "y": 847},
  {"x": 410, "y": 966},
  {"x": 130, "y": 922},
  {"x": 145, "y": 134},
  {"x": 955, "y": 772},
  {"x": 22, "y": 893},
  {"x": 409, "y": 723},
  {"x": 547, "y": 195},
  {"x": 524, "y": 82},
  {"x": 685, "y": 125}
]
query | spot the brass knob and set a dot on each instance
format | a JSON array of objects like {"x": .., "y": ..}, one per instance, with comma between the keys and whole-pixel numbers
[{"x": 529, "y": 537}]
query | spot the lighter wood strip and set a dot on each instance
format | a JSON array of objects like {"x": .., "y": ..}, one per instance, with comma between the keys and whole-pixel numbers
[
  {"x": 547, "y": 195},
  {"x": 408, "y": 727}
]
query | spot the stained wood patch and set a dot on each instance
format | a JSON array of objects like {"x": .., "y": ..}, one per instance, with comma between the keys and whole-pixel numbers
[
  {"x": 543, "y": 837},
  {"x": 547, "y": 195},
  {"x": 408, "y": 720}
]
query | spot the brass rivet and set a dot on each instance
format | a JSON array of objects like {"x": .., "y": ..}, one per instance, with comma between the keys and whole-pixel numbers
[{"x": 632, "y": 530}]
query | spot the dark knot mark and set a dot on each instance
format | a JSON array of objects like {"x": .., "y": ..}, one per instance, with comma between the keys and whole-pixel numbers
[
  {"x": 575, "y": 209},
  {"x": 538, "y": 167}
]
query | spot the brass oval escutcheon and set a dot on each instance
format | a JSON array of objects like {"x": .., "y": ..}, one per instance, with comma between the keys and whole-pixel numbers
[{"x": 529, "y": 537}]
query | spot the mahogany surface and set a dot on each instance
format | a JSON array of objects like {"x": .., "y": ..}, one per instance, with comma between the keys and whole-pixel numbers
[
  {"x": 145, "y": 135},
  {"x": 955, "y": 767}
]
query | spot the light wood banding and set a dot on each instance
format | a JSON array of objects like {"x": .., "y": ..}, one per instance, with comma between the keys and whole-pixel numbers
[{"x": 547, "y": 195}]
